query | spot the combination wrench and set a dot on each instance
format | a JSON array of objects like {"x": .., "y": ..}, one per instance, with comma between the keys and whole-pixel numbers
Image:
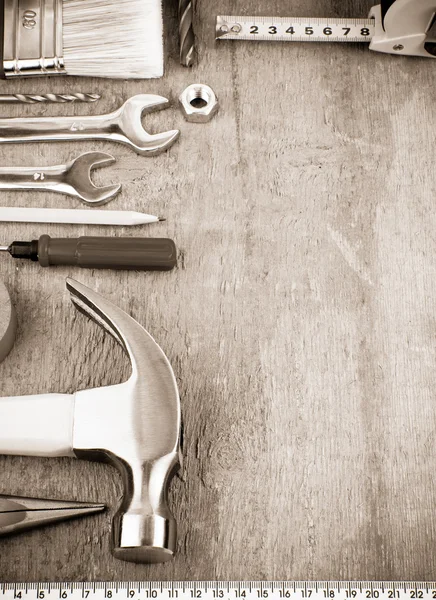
[
  {"x": 72, "y": 179},
  {"x": 123, "y": 125}
]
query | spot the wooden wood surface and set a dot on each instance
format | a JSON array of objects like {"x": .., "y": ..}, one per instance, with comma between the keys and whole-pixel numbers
[
  {"x": 8, "y": 322},
  {"x": 301, "y": 320}
]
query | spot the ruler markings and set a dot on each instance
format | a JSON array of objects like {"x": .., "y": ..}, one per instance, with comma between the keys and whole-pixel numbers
[
  {"x": 298, "y": 29},
  {"x": 211, "y": 590},
  {"x": 220, "y": 590}
]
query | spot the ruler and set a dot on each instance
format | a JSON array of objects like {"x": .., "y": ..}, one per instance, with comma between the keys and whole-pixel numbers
[
  {"x": 284, "y": 29},
  {"x": 224, "y": 590}
]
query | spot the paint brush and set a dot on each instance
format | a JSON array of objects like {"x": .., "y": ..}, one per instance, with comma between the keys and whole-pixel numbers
[{"x": 101, "y": 38}]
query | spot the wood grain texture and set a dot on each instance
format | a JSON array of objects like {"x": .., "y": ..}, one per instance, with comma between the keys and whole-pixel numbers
[
  {"x": 300, "y": 321},
  {"x": 8, "y": 322}
]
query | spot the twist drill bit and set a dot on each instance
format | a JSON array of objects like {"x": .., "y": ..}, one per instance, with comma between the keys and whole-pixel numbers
[
  {"x": 186, "y": 33},
  {"x": 43, "y": 98}
]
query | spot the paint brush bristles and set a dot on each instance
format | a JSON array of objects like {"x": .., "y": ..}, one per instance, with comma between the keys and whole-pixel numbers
[{"x": 113, "y": 38}]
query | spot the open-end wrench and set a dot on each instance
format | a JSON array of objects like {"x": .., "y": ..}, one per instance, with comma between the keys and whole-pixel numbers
[
  {"x": 123, "y": 125},
  {"x": 73, "y": 179}
]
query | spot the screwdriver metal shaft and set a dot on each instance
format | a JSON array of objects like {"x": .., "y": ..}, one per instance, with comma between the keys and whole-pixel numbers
[{"x": 44, "y": 98}]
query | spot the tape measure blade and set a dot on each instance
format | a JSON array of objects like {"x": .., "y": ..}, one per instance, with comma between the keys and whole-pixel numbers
[
  {"x": 220, "y": 590},
  {"x": 294, "y": 29}
]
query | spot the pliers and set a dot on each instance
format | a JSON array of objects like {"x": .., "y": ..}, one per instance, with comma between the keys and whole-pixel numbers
[{"x": 18, "y": 514}]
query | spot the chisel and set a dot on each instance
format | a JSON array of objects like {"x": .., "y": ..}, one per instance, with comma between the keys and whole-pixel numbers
[{"x": 140, "y": 254}]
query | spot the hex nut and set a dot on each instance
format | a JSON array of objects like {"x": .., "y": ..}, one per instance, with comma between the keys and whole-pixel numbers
[{"x": 199, "y": 103}]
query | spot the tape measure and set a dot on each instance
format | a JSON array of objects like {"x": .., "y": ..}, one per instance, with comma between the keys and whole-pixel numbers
[
  {"x": 221, "y": 590},
  {"x": 285, "y": 29}
]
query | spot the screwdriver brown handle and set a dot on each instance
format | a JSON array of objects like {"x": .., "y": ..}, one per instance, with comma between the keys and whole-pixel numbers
[{"x": 140, "y": 254}]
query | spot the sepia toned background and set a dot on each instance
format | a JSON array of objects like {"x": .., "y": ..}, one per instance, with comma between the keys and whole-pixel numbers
[{"x": 300, "y": 322}]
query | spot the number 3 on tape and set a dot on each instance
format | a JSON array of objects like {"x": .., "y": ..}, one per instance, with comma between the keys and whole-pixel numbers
[{"x": 295, "y": 29}]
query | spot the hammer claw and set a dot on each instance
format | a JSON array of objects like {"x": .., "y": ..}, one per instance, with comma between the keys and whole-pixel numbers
[{"x": 138, "y": 432}]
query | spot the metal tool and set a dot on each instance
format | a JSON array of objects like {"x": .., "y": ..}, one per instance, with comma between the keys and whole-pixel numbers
[
  {"x": 12, "y": 214},
  {"x": 47, "y": 98},
  {"x": 186, "y": 32},
  {"x": 134, "y": 425},
  {"x": 199, "y": 103},
  {"x": 395, "y": 26},
  {"x": 72, "y": 179},
  {"x": 211, "y": 590},
  {"x": 19, "y": 514},
  {"x": 134, "y": 254},
  {"x": 123, "y": 125}
]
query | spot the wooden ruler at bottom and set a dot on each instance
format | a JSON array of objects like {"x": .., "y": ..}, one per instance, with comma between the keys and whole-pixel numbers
[{"x": 224, "y": 590}]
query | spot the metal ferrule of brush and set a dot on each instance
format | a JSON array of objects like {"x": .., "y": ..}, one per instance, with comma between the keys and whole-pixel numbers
[{"x": 32, "y": 38}]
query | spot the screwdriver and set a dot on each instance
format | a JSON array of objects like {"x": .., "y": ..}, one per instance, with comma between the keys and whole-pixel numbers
[{"x": 140, "y": 254}]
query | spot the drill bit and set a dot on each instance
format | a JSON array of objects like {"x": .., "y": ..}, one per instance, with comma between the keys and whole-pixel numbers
[
  {"x": 186, "y": 32},
  {"x": 43, "y": 98}
]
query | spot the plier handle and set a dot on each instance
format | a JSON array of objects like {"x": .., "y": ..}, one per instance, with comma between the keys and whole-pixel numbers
[{"x": 402, "y": 27}]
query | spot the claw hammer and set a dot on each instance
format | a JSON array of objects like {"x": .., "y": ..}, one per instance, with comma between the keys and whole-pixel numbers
[{"x": 135, "y": 426}]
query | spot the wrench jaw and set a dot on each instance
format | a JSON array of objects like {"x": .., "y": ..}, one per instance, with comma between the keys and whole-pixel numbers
[
  {"x": 129, "y": 129},
  {"x": 78, "y": 179}
]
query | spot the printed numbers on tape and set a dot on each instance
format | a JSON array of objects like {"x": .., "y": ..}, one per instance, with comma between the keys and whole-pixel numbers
[
  {"x": 294, "y": 30},
  {"x": 223, "y": 590}
]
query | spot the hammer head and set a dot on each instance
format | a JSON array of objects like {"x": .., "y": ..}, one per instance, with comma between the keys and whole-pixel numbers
[{"x": 135, "y": 426}]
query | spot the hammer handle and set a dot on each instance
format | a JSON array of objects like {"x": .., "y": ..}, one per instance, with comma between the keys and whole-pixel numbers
[{"x": 37, "y": 425}]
